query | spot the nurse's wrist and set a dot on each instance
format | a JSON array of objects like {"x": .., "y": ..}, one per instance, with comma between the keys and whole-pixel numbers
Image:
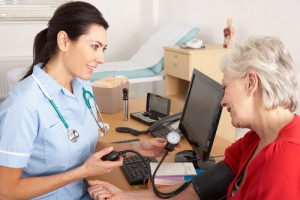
[{"x": 82, "y": 172}]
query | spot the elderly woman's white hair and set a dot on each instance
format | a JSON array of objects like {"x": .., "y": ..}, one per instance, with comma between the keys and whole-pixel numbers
[{"x": 269, "y": 58}]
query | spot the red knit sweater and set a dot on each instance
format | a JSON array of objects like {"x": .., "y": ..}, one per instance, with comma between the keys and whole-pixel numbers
[{"x": 274, "y": 173}]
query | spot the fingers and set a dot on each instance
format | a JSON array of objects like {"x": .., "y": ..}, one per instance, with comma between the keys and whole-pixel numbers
[
  {"x": 94, "y": 182},
  {"x": 98, "y": 192},
  {"x": 160, "y": 140},
  {"x": 105, "y": 185},
  {"x": 95, "y": 166},
  {"x": 103, "y": 152}
]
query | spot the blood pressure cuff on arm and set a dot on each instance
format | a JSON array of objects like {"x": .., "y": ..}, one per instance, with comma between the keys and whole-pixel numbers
[{"x": 214, "y": 182}]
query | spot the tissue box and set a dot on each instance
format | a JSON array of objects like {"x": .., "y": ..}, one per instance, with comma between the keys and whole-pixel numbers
[{"x": 108, "y": 93}]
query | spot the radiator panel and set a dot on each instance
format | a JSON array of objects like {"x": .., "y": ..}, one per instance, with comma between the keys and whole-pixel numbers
[{"x": 6, "y": 65}]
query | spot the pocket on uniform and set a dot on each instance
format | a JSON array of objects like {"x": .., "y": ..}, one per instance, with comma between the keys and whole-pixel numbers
[{"x": 57, "y": 151}]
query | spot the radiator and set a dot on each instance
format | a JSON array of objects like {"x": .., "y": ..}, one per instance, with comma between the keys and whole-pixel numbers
[{"x": 11, "y": 63}]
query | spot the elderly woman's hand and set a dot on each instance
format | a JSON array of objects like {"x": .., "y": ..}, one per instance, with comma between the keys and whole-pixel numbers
[{"x": 100, "y": 190}]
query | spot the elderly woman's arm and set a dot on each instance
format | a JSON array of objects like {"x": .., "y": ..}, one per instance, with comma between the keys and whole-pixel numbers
[{"x": 100, "y": 190}]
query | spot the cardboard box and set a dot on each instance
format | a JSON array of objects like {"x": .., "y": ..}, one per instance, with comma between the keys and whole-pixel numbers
[{"x": 110, "y": 100}]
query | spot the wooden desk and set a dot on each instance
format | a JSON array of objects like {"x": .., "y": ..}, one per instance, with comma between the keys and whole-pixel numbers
[{"x": 116, "y": 177}]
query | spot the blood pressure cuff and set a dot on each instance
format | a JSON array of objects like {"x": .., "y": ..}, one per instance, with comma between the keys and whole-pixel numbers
[{"x": 214, "y": 182}]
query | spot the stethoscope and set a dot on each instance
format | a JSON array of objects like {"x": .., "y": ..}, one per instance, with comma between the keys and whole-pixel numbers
[{"x": 72, "y": 134}]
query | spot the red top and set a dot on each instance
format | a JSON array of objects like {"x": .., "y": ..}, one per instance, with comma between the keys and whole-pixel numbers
[{"x": 274, "y": 173}]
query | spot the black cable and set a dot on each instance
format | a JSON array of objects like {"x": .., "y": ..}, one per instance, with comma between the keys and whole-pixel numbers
[
  {"x": 163, "y": 195},
  {"x": 166, "y": 195},
  {"x": 196, "y": 159},
  {"x": 130, "y": 130}
]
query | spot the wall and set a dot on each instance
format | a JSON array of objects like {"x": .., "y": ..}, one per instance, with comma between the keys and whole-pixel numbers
[
  {"x": 123, "y": 34},
  {"x": 16, "y": 38},
  {"x": 256, "y": 17}
]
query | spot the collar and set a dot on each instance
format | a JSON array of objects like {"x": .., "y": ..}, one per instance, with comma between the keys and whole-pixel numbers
[{"x": 52, "y": 87}]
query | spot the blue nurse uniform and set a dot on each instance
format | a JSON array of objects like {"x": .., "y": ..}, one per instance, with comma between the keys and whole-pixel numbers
[{"x": 34, "y": 138}]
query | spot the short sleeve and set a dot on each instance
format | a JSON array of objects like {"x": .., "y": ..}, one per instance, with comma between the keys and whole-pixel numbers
[{"x": 18, "y": 129}]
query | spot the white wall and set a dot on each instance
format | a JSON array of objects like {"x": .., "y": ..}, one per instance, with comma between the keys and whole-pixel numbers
[
  {"x": 16, "y": 38},
  {"x": 123, "y": 16},
  {"x": 256, "y": 17},
  {"x": 132, "y": 21},
  {"x": 123, "y": 35}
]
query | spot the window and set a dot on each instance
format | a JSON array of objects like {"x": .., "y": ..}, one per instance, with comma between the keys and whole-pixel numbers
[{"x": 28, "y": 10}]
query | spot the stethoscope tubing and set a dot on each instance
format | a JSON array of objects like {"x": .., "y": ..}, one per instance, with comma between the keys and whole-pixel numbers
[
  {"x": 73, "y": 134},
  {"x": 59, "y": 114},
  {"x": 51, "y": 101},
  {"x": 87, "y": 101}
]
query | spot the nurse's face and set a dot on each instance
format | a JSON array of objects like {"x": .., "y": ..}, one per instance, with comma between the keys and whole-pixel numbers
[{"x": 84, "y": 54}]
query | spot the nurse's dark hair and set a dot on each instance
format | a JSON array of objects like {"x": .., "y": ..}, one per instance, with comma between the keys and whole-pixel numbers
[{"x": 74, "y": 18}]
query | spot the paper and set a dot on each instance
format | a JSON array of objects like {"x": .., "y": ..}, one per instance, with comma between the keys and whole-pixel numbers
[{"x": 174, "y": 169}]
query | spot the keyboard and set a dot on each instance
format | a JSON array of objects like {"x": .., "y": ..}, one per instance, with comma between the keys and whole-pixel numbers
[{"x": 135, "y": 170}]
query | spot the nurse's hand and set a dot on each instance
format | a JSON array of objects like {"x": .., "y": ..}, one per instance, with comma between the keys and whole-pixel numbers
[
  {"x": 95, "y": 166},
  {"x": 151, "y": 148}
]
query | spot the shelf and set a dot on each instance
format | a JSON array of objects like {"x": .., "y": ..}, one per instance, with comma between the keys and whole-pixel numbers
[
  {"x": 178, "y": 66},
  {"x": 176, "y": 103}
]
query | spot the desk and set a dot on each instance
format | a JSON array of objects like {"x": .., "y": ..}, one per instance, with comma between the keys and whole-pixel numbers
[{"x": 116, "y": 177}]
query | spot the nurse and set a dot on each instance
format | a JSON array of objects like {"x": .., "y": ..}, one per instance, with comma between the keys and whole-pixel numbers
[{"x": 38, "y": 157}]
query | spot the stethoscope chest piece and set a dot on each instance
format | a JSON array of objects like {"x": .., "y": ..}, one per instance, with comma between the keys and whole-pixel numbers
[{"x": 73, "y": 135}]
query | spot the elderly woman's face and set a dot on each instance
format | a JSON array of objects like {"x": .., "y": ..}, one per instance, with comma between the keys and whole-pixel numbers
[{"x": 235, "y": 99}]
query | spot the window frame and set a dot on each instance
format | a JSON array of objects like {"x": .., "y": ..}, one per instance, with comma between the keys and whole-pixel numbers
[{"x": 28, "y": 10}]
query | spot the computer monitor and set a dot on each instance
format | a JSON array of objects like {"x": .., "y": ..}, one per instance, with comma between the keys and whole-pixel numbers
[{"x": 201, "y": 113}]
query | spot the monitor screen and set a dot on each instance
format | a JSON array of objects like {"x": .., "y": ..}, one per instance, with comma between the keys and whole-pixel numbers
[{"x": 201, "y": 113}]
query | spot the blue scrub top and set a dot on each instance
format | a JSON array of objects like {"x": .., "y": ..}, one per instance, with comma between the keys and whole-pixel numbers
[{"x": 34, "y": 138}]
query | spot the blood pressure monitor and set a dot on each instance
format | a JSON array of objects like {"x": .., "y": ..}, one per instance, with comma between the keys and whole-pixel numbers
[{"x": 173, "y": 139}]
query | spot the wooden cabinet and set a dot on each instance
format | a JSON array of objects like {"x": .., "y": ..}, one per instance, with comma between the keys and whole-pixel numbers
[{"x": 179, "y": 64}]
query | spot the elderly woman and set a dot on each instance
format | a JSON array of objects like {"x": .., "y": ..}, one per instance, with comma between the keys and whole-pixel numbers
[{"x": 261, "y": 93}]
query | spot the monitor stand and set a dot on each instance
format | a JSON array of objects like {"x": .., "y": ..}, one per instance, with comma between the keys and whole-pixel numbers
[
  {"x": 190, "y": 156},
  {"x": 207, "y": 164}
]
